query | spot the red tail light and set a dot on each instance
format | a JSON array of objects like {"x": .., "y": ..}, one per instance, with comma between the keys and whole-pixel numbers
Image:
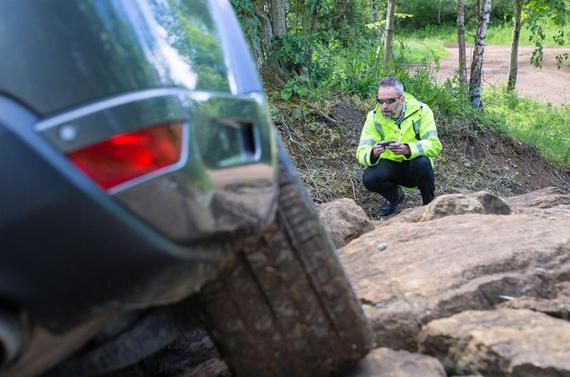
[{"x": 127, "y": 156}]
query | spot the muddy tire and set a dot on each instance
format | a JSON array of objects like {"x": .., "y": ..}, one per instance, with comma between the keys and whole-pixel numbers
[{"x": 285, "y": 308}]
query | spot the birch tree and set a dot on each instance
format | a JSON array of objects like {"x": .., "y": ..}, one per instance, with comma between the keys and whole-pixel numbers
[
  {"x": 461, "y": 41},
  {"x": 513, "y": 64},
  {"x": 475, "y": 86},
  {"x": 389, "y": 35}
]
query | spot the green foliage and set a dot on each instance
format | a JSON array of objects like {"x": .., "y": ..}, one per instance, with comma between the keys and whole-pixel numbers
[
  {"x": 562, "y": 60},
  {"x": 534, "y": 123},
  {"x": 537, "y": 13},
  {"x": 502, "y": 34},
  {"x": 426, "y": 12},
  {"x": 444, "y": 13},
  {"x": 345, "y": 21},
  {"x": 419, "y": 51},
  {"x": 344, "y": 55},
  {"x": 250, "y": 24},
  {"x": 354, "y": 71},
  {"x": 291, "y": 50},
  {"x": 497, "y": 34},
  {"x": 296, "y": 85}
]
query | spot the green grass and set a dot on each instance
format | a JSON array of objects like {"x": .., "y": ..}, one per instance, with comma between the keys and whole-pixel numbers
[
  {"x": 502, "y": 35},
  {"x": 498, "y": 34},
  {"x": 444, "y": 33},
  {"x": 417, "y": 51},
  {"x": 534, "y": 123}
]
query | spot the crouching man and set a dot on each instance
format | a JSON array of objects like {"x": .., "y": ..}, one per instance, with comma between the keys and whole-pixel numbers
[{"x": 397, "y": 146}]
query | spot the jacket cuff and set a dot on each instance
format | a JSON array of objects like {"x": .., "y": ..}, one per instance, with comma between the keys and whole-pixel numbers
[
  {"x": 369, "y": 158},
  {"x": 414, "y": 150}
]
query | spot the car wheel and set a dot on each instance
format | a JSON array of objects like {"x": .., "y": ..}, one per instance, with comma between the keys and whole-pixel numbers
[{"x": 286, "y": 308}]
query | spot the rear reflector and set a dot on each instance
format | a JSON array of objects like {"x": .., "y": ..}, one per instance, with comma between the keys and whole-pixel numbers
[{"x": 124, "y": 157}]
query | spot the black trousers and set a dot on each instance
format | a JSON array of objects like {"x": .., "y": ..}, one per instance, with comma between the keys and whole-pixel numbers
[{"x": 385, "y": 177}]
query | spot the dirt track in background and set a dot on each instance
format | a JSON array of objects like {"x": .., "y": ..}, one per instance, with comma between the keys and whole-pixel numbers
[{"x": 547, "y": 84}]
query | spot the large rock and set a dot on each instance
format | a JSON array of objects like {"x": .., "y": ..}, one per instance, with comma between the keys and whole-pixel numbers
[
  {"x": 550, "y": 202},
  {"x": 502, "y": 343},
  {"x": 384, "y": 362},
  {"x": 455, "y": 204},
  {"x": 344, "y": 220},
  {"x": 408, "y": 274},
  {"x": 545, "y": 198},
  {"x": 557, "y": 307}
]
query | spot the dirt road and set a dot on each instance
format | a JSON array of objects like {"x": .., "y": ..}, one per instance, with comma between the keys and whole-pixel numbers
[{"x": 547, "y": 84}]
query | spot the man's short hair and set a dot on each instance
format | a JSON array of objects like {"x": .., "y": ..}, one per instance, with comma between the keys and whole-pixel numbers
[{"x": 393, "y": 83}]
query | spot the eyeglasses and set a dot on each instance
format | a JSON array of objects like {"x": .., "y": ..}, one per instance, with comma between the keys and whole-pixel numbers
[{"x": 389, "y": 101}]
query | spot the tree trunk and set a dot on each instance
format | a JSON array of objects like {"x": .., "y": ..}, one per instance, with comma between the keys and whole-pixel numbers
[
  {"x": 261, "y": 11},
  {"x": 303, "y": 16},
  {"x": 389, "y": 31},
  {"x": 375, "y": 17},
  {"x": 475, "y": 87},
  {"x": 278, "y": 17},
  {"x": 314, "y": 19},
  {"x": 439, "y": 12},
  {"x": 461, "y": 41},
  {"x": 513, "y": 66},
  {"x": 374, "y": 10}
]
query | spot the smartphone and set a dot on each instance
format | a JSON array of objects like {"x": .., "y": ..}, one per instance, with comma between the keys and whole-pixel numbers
[{"x": 386, "y": 143}]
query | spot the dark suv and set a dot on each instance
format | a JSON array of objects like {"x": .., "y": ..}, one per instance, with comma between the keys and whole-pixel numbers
[{"x": 143, "y": 187}]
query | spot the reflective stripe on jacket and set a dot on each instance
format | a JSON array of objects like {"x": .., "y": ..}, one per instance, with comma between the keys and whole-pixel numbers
[{"x": 418, "y": 117}]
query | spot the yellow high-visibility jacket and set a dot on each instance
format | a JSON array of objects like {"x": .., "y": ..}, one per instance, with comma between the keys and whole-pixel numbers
[{"x": 417, "y": 129}]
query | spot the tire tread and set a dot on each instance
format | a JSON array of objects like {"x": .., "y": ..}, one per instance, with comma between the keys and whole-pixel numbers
[{"x": 285, "y": 307}]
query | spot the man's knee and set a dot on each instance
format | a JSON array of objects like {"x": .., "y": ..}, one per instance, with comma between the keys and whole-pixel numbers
[
  {"x": 422, "y": 167},
  {"x": 369, "y": 180},
  {"x": 375, "y": 179}
]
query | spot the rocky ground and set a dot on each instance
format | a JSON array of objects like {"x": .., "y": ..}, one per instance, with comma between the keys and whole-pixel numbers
[{"x": 469, "y": 285}]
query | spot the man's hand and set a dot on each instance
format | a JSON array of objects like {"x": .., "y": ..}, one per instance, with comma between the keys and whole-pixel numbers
[
  {"x": 399, "y": 148},
  {"x": 377, "y": 150}
]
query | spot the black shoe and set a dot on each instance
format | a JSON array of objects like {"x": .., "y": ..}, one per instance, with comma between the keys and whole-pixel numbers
[{"x": 389, "y": 208}]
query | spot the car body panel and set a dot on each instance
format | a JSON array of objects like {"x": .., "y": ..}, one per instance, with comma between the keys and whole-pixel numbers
[
  {"x": 88, "y": 50},
  {"x": 76, "y": 73},
  {"x": 69, "y": 250},
  {"x": 192, "y": 200}
]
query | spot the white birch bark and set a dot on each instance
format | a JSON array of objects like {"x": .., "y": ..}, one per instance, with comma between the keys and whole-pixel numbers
[
  {"x": 461, "y": 41},
  {"x": 389, "y": 35},
  {"x": 475, "y": 86}
]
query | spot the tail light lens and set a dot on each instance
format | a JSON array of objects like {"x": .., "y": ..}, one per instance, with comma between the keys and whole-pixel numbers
[{"x": 124, "y": 157}]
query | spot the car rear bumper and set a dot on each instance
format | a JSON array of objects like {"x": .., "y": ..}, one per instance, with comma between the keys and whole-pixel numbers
[{"x": 71, "y": 251}]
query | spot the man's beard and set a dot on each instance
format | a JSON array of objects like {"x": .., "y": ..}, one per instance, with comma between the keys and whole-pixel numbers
[
  {"x": 394, "y": 114},
  {"x": 390, "y": 114}
]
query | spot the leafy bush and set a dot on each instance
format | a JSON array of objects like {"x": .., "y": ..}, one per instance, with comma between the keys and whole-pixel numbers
[{"x": 296, "y": 85}]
